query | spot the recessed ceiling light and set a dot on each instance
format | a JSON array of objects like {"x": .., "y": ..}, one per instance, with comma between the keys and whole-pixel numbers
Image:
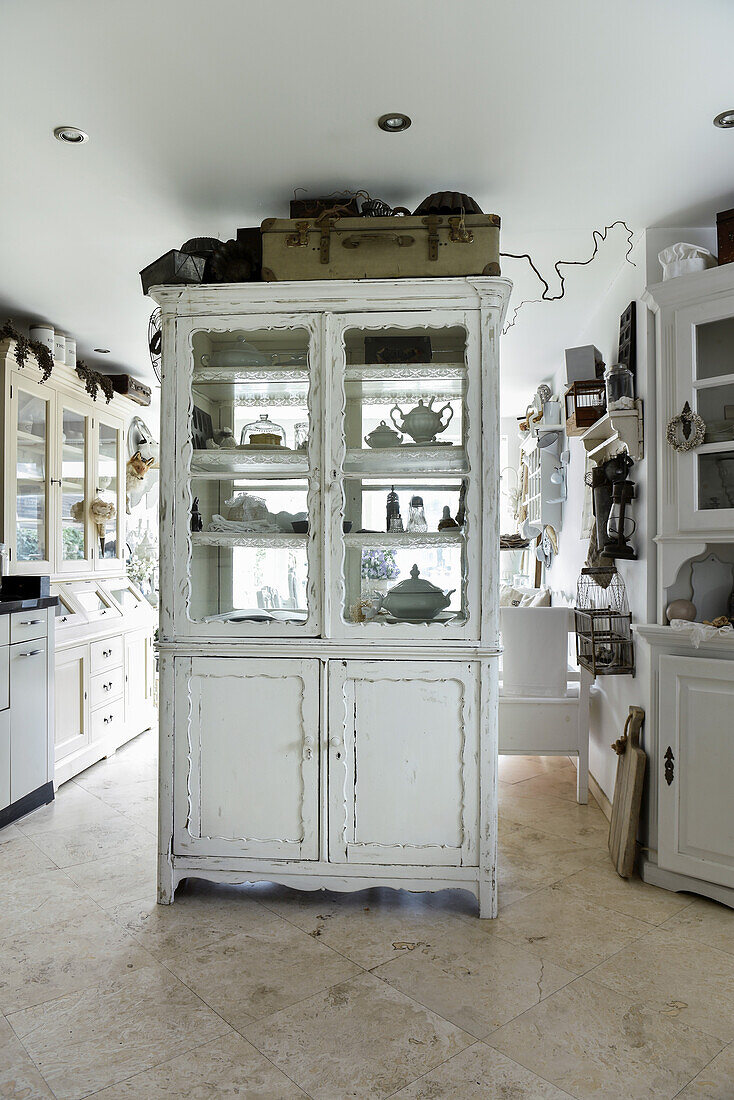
[
  {"x": 393, "y": 122},
  {"x": 72, "y": 135},
  {"x": 102, "y": 351},
  {"x": 725, "y": 120}
]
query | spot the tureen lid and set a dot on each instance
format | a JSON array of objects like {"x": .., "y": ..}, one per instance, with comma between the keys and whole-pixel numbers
[
  {"x": 416, "y": 584},
  {"x": 382, "y": 429}
]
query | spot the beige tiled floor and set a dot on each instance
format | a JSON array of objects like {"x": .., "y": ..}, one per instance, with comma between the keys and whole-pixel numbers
[{"x": 586, "y": 986}]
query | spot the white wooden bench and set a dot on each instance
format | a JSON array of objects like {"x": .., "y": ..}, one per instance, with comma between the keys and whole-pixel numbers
[{"x": 544, "y": 704}]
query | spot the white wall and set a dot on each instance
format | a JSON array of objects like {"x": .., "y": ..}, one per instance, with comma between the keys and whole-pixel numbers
[{"x": 614, "y": 694}]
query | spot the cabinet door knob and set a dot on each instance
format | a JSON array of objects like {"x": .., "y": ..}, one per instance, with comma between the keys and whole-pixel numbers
[
  {"x": 308, "y": 739},
  {"x": 335, "y": 742},
  {"x": 30, "y": 653}
]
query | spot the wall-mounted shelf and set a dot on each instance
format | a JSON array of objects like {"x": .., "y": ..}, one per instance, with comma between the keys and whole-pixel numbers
[{"x": 623, "y": 426}]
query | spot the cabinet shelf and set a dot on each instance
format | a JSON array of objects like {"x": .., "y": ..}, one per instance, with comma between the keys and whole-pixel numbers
[
  {"x": 621, "y": 426},
  {"x": 404, "y": 372},
  {"x": 276, "y": 374},
  {"x": 398, "y": 540},
  {"x": 406, "y": 461},
  {"x": 266, "y": 540},
  {"x": 226, "y": 463}
]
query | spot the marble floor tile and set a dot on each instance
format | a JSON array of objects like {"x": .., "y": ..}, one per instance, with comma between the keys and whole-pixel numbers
[
  {"x": 202, "y": 914},
  {"x": 259, "y": 971},
  {"x": 516, "y": 769},
  {"x": 71, "y": 808},
  {"x": 581, "y": 824},
  {"x": 600, "y": 1045},
  {"x": 362, "y": 1040},
  {"x": 33, "y": 902},
  {"x": 65, "y": 957},
  {"x": 557, "y": 784},
  {"x": 372, "y": 926},
  {"x": 220, "y": 1070},
  {"x": 687, "y": 981},
  {"x": 19, "y": 1078},
  {"x": 705, "y": 922},
  {"x": 93, "y": 840},
  {"x": 116, "y": 879},
  {"x": 480, "y": 1073},
  {"x": 543, "y": 857},
  {"x": 566, "y": 928},
  {"x": 102, "y": 1035},
  {"x": 633, "y": 897},
  {"x": 136, "y": 800},
  {"x": 715, "y": 1081},
  {"x": 19, "y": 856},
  {"x": 478, "y": 984}
]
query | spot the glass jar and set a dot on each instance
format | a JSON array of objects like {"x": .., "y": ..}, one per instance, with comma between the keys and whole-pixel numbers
[
  {"x": 416, "y": 515},
  {"x": 262, "y": 433},
  {"x": 620, "y": 385}
]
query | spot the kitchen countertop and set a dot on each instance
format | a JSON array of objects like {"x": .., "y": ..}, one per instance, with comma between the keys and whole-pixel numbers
[{"x": 7, "y": 607}]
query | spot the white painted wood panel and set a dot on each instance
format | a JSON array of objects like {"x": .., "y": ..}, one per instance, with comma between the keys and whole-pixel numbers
[
  {"x": 71, "y": 727},
  {"x": 403, "y": 771},
  {"x": 28, "y": 717},
  {"x": 696, "y": 764},
  {"x": 248, "y": 782}
]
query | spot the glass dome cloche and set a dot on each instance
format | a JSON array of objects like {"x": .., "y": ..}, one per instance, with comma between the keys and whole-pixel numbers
[{"x": 262, "y": 433}]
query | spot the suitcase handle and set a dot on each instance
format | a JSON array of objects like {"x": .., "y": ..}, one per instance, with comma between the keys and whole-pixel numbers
[{"x": 402, "y": 240}]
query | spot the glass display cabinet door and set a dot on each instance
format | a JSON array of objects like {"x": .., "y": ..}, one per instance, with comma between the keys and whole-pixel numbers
[
  {"x": 31, "y": 516},
  {"x": 247, "y": 493},
  {"x": 405, "y": 492},
  {"x": 706, "y": 500},
  {"x": 74, "y": 546},
  {"x": 108, "y": 487}
]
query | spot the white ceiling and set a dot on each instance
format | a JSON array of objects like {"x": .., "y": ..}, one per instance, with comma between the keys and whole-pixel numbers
[{"x": 204, "y": 116}]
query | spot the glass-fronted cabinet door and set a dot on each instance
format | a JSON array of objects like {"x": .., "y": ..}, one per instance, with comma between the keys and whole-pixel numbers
[
  {"x": 107, "y": 507},
  {"x": 405, "y": 475},
  {"x": 73, "y": 537},
  {"x": 247, "y": 494},
  {"x": 30, "y": 518},
  {"x": 705, "y": 339}
]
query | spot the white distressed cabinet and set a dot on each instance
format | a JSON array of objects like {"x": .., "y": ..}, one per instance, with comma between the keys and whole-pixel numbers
[{"x": 301, "y": 742}]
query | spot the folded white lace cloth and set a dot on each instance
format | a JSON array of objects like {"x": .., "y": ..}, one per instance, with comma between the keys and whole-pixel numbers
[
  {"x": 219, "y": 523},
  {"x": 700, "y": 632}
]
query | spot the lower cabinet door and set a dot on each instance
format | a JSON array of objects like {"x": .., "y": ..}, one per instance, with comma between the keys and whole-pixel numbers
[
  {"x": 71, "y": 706},
  {"x": 138, "y": 688},
  {"x": 403, "y": 762},
  {"x": 29, "y": 749},
  {"x": 247, "y": 757},
  {"x": 696, "y": 765}
]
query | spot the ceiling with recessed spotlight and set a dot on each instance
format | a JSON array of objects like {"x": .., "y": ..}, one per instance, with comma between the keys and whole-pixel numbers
[{"x": 203, "y": 117}]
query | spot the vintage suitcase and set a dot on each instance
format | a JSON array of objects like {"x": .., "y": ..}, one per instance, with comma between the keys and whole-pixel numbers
[
  {"x": 380, "y": 248},
  {"x": 725, "y": 235},
  {"x": 130, "y": 387}
]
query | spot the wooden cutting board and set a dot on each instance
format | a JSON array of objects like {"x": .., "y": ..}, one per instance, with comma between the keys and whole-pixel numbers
[{"x": 627, "y": 794}]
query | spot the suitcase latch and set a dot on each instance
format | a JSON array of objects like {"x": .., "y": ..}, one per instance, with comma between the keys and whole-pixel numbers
[
  {"x": 458, "y": 231},
  {"x": 432, "y": 222},
  {"x": 299, "y": 239}
]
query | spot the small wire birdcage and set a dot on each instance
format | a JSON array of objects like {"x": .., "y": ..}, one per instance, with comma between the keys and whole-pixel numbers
[{"x": 603, "y": 623}]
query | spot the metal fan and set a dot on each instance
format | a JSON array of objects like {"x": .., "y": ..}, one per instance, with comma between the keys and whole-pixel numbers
[{"x": 155, "y": 340}]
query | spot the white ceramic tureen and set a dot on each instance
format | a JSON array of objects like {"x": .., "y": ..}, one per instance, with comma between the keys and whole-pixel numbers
[{"x": 416, "y": 600}]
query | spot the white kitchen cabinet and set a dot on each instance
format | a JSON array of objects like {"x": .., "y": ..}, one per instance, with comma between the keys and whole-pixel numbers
[
  {"x": 301, "y": 740},
  {"x": 139, "y": 671},
  {"x": 249, "y": 784},
  {"x": 695, "y": 768},
  {"x": 403, "y": 763},
  {"x": 4, "y": 758},
  {"x": 28, "y": 718},
  {"x": 71, "y": 729}
]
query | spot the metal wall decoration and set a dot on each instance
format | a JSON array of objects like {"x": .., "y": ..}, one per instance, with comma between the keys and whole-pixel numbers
[
  {"x": 155, "y": 341},
  {"x": 603, "y": 623},
  {"x": 627, "y": 347}
]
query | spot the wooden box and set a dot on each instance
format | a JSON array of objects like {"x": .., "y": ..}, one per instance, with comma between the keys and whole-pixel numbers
[
  {"x": 130, "y": 387},
  {"x": 380, "y": 248},
  {"x": 725, "y": 234}
]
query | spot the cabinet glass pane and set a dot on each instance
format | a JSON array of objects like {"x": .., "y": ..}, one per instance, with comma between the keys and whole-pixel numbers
[
  {"x": 73, "y": 485},
  {"x": 31, "y": 466},
  {"x": 715, "y": 348},
  {"x": 716, "y": 405},
  {"x": 716, "y": 480},
  {"x": 252, "y": 450},
  {"x": 107, "y": 464},
  {"x": 123, "y": 594},
  {"x": 249, "y": 560}
]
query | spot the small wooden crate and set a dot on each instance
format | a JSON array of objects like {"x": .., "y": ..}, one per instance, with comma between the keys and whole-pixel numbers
[{"x": 586, "y": 403}]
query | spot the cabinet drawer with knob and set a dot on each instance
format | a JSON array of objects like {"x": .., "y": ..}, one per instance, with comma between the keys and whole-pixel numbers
[
  {"x": 108, "y": 721},
  {"x": 106, "y": 654},
  {"x": 26, "y": 625},
  {"x": 105, "y": 686}
]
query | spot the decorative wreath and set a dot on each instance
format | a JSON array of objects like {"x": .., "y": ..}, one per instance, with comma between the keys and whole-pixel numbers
[{"x": 686, "y": 421}]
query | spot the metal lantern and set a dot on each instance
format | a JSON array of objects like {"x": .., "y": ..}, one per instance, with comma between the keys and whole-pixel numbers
[{"x": 603, "y": 624}]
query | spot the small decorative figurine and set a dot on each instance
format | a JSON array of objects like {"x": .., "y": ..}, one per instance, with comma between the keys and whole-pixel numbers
[
  {"x": 446, "y": 519},
  {"x": 197, "y": 523}
]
